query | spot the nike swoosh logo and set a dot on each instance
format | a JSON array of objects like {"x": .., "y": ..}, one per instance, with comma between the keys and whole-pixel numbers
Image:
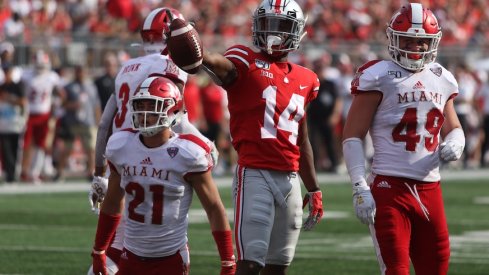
[{"x": 302, "y": 87}]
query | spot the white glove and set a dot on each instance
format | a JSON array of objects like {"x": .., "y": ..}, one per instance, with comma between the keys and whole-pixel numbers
[
  {"x": 451, "y": 150},
  {"x": 364, "y": 204},
  {"x": 97, "y": 193}
]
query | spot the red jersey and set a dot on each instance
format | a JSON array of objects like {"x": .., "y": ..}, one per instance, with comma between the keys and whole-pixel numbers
[
  {"x": 267, "y": 104},
  {"x": 212, "y": 97}
]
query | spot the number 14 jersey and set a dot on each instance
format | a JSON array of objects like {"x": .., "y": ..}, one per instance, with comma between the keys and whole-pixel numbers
[
  {"x": 267, "y": 104},
  {"x": 406, "y": 127}
]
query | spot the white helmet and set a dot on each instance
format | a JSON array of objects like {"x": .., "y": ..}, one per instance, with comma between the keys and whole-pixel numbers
[
  {"x": 413, "y": 21},
  {"x": 278, "y": 26},
  {"x": 167, "y": 101},
  {"x": 110, "y": 266},
  {"x": 155, "y": 26},
  {"x": 42, "y": 61}
]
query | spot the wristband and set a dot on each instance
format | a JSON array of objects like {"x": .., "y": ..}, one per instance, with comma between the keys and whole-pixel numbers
[
  {"x": 355, "y": 160},
  {"x": 224, "y": 242},
  {"x": 101, "y": 252},
  {"x": 107, "y": 225}
]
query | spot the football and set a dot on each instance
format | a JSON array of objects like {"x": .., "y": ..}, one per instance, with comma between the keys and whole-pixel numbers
[{"x": 185, "y": 46}]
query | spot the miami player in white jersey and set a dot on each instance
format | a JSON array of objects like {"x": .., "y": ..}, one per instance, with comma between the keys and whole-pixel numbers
[
  {"x": 116, "y": 113},
  {"x": 407, "y": 105},
  {"x": 154, "y": 188},
  {"x": 41, "y": 86}
]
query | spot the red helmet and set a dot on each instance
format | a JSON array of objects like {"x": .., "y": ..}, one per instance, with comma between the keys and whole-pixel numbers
[
  {"x": 155, "y": 26},
  {"x": 165, "y": 100},
  {"x": 413, "y": 21}
]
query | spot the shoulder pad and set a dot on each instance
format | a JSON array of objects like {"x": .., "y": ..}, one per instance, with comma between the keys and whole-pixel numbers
[
  {"x": 118, "y": 140},
  {"x": 239, "y": 53},
  {"x": 201, "y": 142}
]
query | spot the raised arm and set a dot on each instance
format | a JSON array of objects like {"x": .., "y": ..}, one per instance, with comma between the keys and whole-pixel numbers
[{"x": 220, "y": 69}]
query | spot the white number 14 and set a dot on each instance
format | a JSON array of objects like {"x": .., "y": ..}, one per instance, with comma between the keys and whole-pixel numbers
[{"x": 288, "y": 119}]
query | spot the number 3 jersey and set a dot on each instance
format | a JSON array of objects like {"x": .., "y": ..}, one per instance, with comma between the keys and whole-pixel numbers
[
  {"x": 406, "y": 127},
  {"x": 157, "y": 197},
  {"x": 267, "y": 104},
  {"x": 133, "y": 73}
]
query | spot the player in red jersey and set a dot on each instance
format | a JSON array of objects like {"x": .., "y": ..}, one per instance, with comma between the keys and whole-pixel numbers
[
  {"x": 267, "y": 98},
  {"x": 406, "y": 104}
]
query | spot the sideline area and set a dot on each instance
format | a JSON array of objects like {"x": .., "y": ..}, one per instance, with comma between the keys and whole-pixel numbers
[{"x": 323, "y": 178}]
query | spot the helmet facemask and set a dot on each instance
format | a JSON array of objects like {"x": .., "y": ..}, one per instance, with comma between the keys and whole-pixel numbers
[
  {"x": 150, "y": 114},
  {"x": 412, "y": 60},
  {"x": 278, "y": 31},
  {"x": 154, "y": 105}
]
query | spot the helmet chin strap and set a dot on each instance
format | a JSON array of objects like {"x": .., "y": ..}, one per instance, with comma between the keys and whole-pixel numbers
[{"x": 272, "y": 40}]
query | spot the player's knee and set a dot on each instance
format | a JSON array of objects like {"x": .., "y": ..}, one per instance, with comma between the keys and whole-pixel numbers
[
  {"x": 245, "y": 267},
  {"x": 256, "y": 251}
]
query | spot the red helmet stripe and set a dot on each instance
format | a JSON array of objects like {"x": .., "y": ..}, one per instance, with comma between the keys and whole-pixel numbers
[
  {"x": 277, "y": 6},
  {"x": 149, "y": 22},
  {"x": 147, "y": 83}
]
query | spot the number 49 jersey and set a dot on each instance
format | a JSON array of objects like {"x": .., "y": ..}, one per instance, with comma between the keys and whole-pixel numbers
[
  {"x": 267, "y": 104},
  {"x": 406, "y": 127},
  {"x": 133, "y": 73}
]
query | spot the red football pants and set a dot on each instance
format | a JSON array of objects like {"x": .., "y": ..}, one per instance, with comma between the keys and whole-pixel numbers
[
  {"x": 130, "y": 264},
  {"x": 37, "y": 129},
  {"x": 403, "y": 230}
]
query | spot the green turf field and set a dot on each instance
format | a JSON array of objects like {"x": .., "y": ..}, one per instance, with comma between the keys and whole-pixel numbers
[{"x": 53, "y": 233}]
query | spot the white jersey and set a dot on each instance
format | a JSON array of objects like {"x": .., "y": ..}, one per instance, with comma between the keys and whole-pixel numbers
[
  {"x": 406, "y": 127},
  {"x": 132, "y": 73},
  {"x": 39, "y": 91},
  {"x": 157, "y": 197}
]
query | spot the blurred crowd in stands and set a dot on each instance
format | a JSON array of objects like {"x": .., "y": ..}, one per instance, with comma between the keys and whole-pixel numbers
[
  {"x": 464, "y": 21},
  {"x": 49, "y": 109}
]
